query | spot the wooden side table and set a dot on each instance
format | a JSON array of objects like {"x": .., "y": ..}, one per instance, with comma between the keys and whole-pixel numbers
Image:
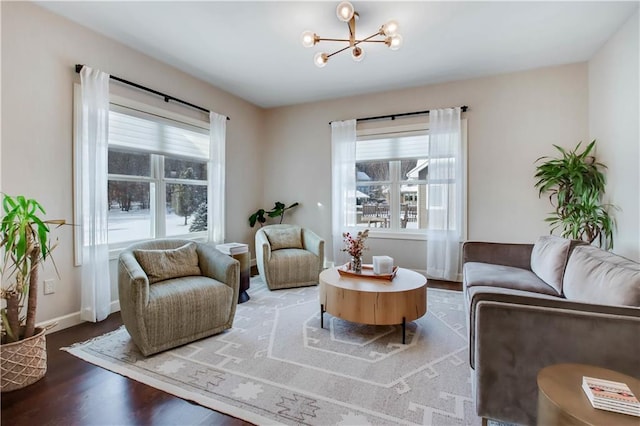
[
  {"x": 245, "y": 275},
  {"x": 561, "y": 400}
]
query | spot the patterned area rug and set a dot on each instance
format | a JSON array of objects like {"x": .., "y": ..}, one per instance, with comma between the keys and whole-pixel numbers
[{"x": 276, "y": 365}]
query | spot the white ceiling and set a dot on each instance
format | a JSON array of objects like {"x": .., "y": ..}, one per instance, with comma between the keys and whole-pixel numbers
[{"x": 253, "y": 49}]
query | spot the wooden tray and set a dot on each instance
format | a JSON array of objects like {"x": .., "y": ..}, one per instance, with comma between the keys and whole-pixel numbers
[{"x": 367, "y": 272}]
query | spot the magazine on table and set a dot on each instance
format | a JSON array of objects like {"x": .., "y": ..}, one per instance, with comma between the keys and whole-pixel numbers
[{"x": 611, "y": 396}]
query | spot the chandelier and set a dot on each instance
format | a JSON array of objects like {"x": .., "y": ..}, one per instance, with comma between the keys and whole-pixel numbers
[{"x": 387, "y": 34}]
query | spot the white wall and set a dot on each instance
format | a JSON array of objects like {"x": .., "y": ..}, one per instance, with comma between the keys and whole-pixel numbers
[
  {"x": 614, "y": 115},
  {"x": 512, "y": 120},
  {"x": 39, "y": 51}
]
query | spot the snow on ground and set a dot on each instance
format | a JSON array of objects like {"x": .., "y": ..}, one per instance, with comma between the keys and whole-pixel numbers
[{"x": 136, "y": 225}]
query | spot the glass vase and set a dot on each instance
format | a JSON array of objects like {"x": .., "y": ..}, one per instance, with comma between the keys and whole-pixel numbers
[{"x": 356, "y": 264}]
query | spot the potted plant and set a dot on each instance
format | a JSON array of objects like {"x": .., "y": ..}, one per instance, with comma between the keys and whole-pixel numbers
[
  {"x": 575, "y": 185},
  {"x": 25, "y": 244},
  {"x": 278, "y": 210}
]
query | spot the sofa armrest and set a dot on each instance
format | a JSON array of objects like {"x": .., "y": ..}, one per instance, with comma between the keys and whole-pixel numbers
[
  {"x": 515, "y": 255},
  {"x": 514, "y": 338}
]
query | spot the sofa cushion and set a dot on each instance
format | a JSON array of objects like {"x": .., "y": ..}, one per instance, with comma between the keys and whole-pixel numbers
[
  {"x": 486, "y": 274},
  {"x": 597, "y": 276},
  {"x": 549, "y": 258},
  {"x": 284, "y": 238},
  {"x": 162, "y": 265}
]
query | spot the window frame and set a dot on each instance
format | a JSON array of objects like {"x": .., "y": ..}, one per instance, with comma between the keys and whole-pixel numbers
[
  {"x": 157, "y": 180},
  {"x": 378, "y": 131}
]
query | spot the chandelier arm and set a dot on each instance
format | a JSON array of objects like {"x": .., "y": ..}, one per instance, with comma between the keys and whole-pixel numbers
[
  {"x": 368, "y": 39},
  {"x": 333, "y": 39},
  {"x": 352, "y": 30},
  {"x": 338, "y": 51}
]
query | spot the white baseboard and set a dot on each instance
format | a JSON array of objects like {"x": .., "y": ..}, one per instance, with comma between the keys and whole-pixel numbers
[{"x": 72, "y": 319}]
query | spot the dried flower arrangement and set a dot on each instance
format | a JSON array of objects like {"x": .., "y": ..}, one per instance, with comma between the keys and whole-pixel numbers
[{"x": 355, "y": 246}]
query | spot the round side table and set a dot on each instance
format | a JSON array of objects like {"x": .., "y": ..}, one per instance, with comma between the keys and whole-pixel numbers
[{"x": 562, "y": 402}]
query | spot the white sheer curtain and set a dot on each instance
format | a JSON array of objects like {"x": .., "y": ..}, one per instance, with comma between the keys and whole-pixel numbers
[
  {"x": 96, "y": 285},
  {"x": 215, "y": 194},
  {"x": 343, "y": 184},
  {"x": 444, "y": 199}
]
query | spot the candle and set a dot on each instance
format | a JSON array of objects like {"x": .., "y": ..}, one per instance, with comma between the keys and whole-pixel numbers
[{"x": 382, "y": 265}]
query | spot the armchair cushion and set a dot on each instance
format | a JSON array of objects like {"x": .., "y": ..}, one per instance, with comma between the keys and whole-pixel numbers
[
  {"x": 162, "y": 265},
  {"x": 284, "y": 238},
  {"x": 548, "y": 259}
]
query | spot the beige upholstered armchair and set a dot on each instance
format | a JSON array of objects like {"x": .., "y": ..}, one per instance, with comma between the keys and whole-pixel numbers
[
  {"x": 174, "y": 291},
  {"x": 289, "y": 256}
]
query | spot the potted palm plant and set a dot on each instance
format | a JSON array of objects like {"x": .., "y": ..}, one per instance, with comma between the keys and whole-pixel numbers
[
  {"x": 575, "y": 185},
  {"x": 25, "y": 244}
]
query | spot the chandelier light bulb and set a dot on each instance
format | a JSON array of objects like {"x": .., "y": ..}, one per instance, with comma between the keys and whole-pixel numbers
[
  {"x": 345, "y": 11},
  {"x": 394, "y": 42},
  {"x": 357, "y": 54},
  {"x": 320, "y": 59},
  {"x": 308, "y": 38},
  {"x": 390, "y": 28}
]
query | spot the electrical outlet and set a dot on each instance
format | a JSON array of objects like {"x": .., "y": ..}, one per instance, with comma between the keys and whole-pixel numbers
[{"x": 49, "y": 287}]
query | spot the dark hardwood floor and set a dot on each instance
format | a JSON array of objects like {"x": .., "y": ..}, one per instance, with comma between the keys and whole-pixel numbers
[
  {"x": 74, "y": 392},
  {"x": 445, "y": 285}
]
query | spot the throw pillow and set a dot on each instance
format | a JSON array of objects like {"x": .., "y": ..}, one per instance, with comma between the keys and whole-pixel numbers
[
  {"x": 162, "y": 265},
  {"x": 600, "y": 277},
  {"x": 549, "y": 258},
  {"x": 283, "y": 238}
]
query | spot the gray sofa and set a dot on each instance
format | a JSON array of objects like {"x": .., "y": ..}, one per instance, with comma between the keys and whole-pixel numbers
[{"x": 533, "y": 305}]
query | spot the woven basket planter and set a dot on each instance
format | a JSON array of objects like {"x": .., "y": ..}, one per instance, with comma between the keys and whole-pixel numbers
[{"x": 24, "y": 362}]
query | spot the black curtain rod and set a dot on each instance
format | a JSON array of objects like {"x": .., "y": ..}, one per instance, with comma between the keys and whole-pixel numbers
[
  {"x": 404, "y": 114},
  {"x": 166, "y": 97}
]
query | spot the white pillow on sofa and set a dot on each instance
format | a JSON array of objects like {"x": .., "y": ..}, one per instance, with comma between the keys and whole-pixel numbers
[{"x": 549, "y": 258}]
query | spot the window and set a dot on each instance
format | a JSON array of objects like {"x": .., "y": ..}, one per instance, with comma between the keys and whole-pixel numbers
[
  {"x": 157, "y": 177},
  {"x": 163, "y": 173},
  {"x": 392, "y": 187}
]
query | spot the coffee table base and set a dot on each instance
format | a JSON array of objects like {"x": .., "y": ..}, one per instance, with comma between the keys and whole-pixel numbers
[{"x": 404, "y": 323}]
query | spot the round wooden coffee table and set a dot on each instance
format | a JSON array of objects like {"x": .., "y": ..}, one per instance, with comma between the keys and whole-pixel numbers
[
  {"x": 373, "y": 301},
  {"x": 561, "y": 400}
]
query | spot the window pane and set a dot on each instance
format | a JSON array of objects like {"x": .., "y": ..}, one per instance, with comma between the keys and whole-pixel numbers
[
  {"x": 372, "y": 171},
  {"x": 413, "y": 206},
  {"x": 185, "y": 169},
  {"x": 373, "y": 208},
  {"x": 415, "y": 169},
  {"x": 128, "y": 163},
  {"x": 186, "y": 209},
  {"x": 129, "y": 214}
]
